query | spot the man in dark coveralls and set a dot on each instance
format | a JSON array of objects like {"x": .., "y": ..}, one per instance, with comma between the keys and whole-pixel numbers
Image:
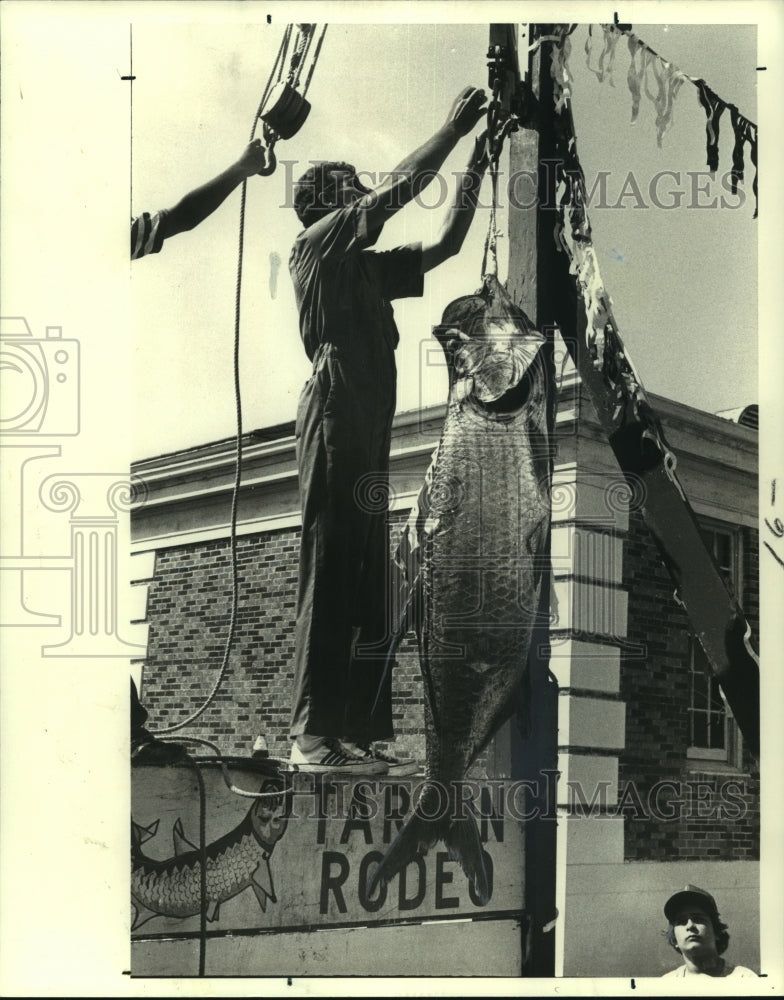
[{"x": 343, "y": 432}]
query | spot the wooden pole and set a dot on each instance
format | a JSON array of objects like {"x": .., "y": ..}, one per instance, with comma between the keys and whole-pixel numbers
[{"x": 533, "y": 282}]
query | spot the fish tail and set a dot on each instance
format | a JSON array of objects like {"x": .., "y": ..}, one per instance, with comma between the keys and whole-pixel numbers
[
  {"x": 465, "y": 847},
  {"x": 416, "y": 836},
  {"x": 419, "y": 833}
]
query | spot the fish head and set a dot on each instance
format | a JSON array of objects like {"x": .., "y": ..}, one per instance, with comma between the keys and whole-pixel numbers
[
  {"x": 490, "y": 346},
  {"x": 269, "y": 815}
]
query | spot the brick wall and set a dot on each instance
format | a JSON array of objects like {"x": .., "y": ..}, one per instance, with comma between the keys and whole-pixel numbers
[
  {"x": 675, "y": 808},
  {"x": 188, "y": 611}
]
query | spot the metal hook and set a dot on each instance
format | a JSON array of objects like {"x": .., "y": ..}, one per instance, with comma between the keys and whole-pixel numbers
[
  {"x": 271, "y": 164},
  {"x": 270, "y": 138}
]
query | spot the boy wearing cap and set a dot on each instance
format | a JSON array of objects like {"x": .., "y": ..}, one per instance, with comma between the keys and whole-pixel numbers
[{"x": 698, "y": 935}]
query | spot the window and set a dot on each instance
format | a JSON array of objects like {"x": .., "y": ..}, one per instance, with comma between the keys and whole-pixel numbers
[{"x": 713, "y": 733}]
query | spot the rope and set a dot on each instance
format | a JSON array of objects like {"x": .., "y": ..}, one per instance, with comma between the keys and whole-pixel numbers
[
  {"x": 228, "y": 780},
  {"x": 316, "y": 55},
  {"x": 277, "y": 67},
  {"x": 238, "y": 410},
  {"x": 493, "y": 154},
  {"x": 491, "y": 240},
  {"x": 304, "y": 35},
  {"x": 284, "y": 45},
  {"x": 298, "y": 60},
  {"x": 495, "y": 142},
  {"x": 237, "y": 476}
]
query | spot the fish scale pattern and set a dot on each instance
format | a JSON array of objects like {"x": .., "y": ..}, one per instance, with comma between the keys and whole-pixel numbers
[
  {"x": 475, "y": 553},
  {"x": 174, "y": 888},
  {"x": 484, "y": 547}
]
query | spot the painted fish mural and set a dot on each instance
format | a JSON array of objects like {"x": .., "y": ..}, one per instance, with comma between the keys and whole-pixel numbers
[
  {"x": 236, "y": 861},
  {"x": 475, "y": 554}
]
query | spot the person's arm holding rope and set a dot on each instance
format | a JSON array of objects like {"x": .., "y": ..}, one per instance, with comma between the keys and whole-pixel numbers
[
  {"x": 458, "y": 221},
  {"x": 417, "y": 170},
  {"x": 147, "y": 235}
]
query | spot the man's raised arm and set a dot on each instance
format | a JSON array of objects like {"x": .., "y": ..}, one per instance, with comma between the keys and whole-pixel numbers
[
  {"x": 458, "y": 221},
  {"x": 418, "y": 169}
]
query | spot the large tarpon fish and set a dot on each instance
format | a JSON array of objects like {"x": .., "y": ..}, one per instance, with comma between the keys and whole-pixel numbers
[{"x": 475, "y": 554}]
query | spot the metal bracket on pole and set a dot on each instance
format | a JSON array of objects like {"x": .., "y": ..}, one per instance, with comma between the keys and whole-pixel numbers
[
  {"x": 503, "y": 69},
  {"x": 514, "y": 94}
]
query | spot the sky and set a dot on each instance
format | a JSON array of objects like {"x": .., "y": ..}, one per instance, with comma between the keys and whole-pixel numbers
[{"x": 683, "y": 279}]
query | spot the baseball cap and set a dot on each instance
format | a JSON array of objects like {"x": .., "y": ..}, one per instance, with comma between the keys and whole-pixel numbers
[{"x": 690, "y": 895}]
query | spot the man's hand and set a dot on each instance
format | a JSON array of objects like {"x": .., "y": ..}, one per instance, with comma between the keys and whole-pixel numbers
[
  {"x": 485, "y": 145},
  {"x": 468, "y": 108},
  {"x": 479, "y": 160},
  {"x": 418, "y": 169},
  {"x": 253, "y": 159}
]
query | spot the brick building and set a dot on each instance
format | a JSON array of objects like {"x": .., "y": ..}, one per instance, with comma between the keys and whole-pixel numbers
[{"x": 655, "y": 789}]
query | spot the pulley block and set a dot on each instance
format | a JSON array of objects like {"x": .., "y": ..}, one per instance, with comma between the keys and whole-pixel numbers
[{"x": 285, "y": 110}]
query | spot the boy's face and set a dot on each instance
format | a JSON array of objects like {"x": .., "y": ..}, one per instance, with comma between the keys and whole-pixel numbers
[{"x": 694, "y": 934}]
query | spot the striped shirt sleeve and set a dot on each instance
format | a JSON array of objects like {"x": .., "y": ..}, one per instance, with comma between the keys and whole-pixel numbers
[{"x": 147, "y": 233}]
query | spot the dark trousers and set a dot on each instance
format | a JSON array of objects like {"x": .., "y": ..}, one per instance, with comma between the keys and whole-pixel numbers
[{"x": 343, "y": 430}]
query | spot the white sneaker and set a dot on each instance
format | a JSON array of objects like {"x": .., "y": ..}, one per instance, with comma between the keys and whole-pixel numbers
[
  {"x": 326, "y": 755},
  {"x": 400, "y": 767}
]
